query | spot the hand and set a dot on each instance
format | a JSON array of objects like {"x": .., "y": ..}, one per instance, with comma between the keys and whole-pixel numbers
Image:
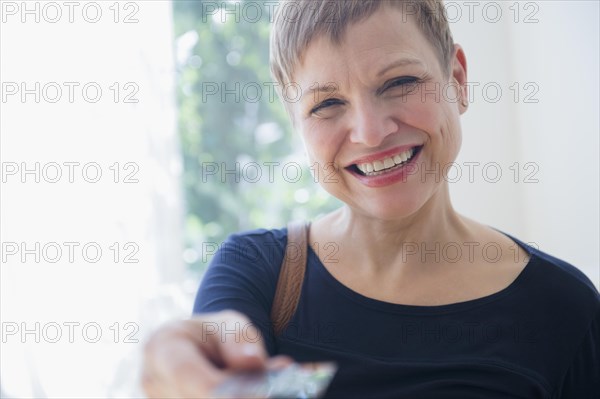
[{"x": 188, "y": 359}]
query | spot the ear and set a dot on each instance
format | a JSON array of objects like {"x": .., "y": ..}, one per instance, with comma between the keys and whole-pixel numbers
[{"x": 459, "y": 74}]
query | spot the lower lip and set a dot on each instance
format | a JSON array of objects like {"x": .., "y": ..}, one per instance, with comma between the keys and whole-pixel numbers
[{"x": 391, "y": 177}]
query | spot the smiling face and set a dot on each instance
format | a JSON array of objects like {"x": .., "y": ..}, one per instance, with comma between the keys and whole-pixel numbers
[{"x": 377, "y": 112}]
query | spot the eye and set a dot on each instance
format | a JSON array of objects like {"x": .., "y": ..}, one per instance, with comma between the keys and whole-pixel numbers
[
  {"x": 325, "y": 104},
  {"x": 406, "y": 83}
]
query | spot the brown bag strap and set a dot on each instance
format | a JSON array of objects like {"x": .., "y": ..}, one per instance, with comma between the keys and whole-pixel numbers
[{"x": 289, "y": 285}]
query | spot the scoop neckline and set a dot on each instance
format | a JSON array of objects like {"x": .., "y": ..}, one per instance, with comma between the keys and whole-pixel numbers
[{"x": 428, "y": 309}]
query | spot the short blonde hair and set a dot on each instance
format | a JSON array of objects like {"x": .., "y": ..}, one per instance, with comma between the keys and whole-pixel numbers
[{"x": 298, "y": 22}]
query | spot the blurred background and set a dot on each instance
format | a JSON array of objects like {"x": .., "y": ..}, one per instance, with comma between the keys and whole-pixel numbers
[{"x": 136, "y": 135}]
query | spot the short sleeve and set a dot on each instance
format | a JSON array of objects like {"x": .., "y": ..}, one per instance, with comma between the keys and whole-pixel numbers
[
  {"x": 242, "y": 276},
  {"x": 582, "y": 380}
]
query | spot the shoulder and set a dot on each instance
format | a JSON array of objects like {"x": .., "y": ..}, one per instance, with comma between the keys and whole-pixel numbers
[
  {"x": 266, "y": 245},
  {"x": 573, "y": 277},
  {"x": 254, "y": 254},
  {"x": 560, "y": 283},
  {"x": 261, "y": 235},
  {"x": 243, "y": 269},
  {"x": 567, "y": 277},
  {"x": 560, "y": 309}
]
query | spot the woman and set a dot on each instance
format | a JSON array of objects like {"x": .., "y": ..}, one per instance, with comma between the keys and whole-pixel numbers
[{"x": 398, "y": 317}]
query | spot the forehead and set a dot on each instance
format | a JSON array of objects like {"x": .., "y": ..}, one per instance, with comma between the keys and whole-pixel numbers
[{"x": 387, "y": 36}]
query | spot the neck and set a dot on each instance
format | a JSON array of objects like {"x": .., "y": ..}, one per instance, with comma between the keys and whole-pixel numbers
[{"x": 384, "y": 244}]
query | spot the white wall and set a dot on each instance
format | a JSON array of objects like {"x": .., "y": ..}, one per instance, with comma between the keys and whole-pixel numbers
[
  {"x": 145, "y": 213},
  {"x": 558, "y": 56}
]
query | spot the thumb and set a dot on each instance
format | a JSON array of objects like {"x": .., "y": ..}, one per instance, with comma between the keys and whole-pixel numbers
[
  {"x": 242, "y": 346},
  {"x": 246, "y": 356}
]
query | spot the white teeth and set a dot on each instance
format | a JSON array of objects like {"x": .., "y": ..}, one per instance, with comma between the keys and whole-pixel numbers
[
  {"x": 378, "y": 165},
  {"x": 372, "y": 168},
  {"x": 388, "y": 163}
]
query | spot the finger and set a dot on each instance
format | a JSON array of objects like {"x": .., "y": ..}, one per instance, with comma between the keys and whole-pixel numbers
[
  {"x": 190, "y": 358},
  {"x": 279, "y": 362},
  {"x": 174, "y": 367},
  {"x": 231, "y": 341},
  {"x": 190, "y": 373}
]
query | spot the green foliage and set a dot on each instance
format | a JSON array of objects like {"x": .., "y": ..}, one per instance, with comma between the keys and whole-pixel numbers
[{"x": 241, "y": 134}]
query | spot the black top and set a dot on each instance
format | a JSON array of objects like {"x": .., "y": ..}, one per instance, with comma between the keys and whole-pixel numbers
[{"x": 537, "y": 338}]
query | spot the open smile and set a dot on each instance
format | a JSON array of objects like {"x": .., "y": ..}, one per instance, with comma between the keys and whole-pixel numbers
[
  {"x": 386, "y": 170},
  {"x": 385, "y": 165}
]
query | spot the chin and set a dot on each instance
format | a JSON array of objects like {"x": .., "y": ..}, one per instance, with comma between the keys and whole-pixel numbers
[{"x": 389, "y": 210}]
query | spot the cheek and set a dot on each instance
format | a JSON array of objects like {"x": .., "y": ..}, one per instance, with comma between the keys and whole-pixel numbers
[
  {"x": 322, "y": 146},
  {"x": 451, "y": 130},
  {"x": 420, "y": 116},
  {"x": 436, "y": 118},
  {"x": 321, "y": 141}
]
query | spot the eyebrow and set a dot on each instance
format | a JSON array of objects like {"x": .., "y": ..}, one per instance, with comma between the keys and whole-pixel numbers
[
  {"x": 331, "y": 87},
  {"x": 399, "y": 63}
]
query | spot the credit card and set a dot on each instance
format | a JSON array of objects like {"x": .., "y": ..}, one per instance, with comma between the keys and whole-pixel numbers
[{"x": 295, "y": 381}]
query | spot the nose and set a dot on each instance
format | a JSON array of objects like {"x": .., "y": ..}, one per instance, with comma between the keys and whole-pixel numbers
[{"x": 370, "y": 123}]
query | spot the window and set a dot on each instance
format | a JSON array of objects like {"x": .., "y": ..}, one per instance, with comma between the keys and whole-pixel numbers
[{"x": 243, "y": 166}]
